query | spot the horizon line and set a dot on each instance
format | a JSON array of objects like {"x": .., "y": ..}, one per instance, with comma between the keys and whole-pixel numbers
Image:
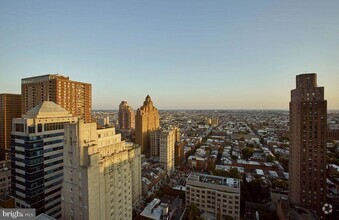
[{"x": 195, "y": 109}]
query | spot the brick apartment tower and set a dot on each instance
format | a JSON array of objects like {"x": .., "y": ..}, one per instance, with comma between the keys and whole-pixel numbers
[
  {"x": 126, "y": 116},
  {"x": 75, "y": 97},
  {"x": 146, "y": 120},
  {"x": 10, "y": 107},
  {"x": 308, "y": 128}
]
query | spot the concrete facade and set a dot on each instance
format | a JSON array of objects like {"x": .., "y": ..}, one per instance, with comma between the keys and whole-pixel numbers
[
  {"x": 162, "y": 145},
  {"x": 5, "y": 178},
  {"x": 214, "y": 195},
  {"x": 102, "y": 174}
]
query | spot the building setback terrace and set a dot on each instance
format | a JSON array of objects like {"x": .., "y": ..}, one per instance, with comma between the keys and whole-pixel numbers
[{"x": 216, "y": 180}]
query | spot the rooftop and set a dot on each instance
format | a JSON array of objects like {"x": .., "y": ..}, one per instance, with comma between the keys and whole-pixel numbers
[
  {"x": 47, "y": 109},
  {"x": 153, "y": 210},
  {"x": 216, "y": 180},
  {"x": 44, "y": 216}
]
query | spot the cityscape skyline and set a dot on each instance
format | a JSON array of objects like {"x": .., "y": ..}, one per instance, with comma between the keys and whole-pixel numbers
[
  {"x": 65, "y": 167},
  {"x": 220, "y": 55},
  {"x": 169, "y": 110}
]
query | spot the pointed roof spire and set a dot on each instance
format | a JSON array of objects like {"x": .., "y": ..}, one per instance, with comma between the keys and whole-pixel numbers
[{"x": 148, "y": 98}]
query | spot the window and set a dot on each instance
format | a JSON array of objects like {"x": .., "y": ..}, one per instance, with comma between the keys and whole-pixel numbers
[
  {"x": 39, "y": 127},
  {"x": 31, "y": 129}
]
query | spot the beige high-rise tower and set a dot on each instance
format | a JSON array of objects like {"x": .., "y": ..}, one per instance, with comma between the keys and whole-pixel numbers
[
  {"x": 162, "y": 144},
  {"x": 146, "y": 120},
  {"x": 102, "y": 174},
  {"x": 10, "y": 107},
  {"x": 75, "y": 97},
  {"x": 126, "y": 116},
  {"x": 308, "y": 128}
]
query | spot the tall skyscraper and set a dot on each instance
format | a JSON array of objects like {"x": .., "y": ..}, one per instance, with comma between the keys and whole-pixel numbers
[
  {"x": 126, "y": 116},
  {"x": 10, "y": 107},
  {"x": 102, "y": 174},
  {"x": 146, "y": 120},
  {"x": 75, "y": 97},
  {"x": 37, "y": 158},
  {"x": 308, "y": 128}
]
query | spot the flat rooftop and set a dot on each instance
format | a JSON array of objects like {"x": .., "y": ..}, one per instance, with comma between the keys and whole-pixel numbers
[
  {"x": 216, "y": 180},
  {"x": 155, "y": 210}
]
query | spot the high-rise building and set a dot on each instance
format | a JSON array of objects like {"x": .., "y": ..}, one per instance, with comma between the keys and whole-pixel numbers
[
  {"x": 179, "y": 154},
  {"x": 308, "y": 130},
  {"x": 214, "y": 195},
  {"x": 37, "y": 158},
  {"x": 126, "y": 116},
  {"x": 75, "y": 97},
  {"x": 10, "y": 107},
  {"x": 162, "y": 144},
  {"x": 102, "y": 174},
  {"x": 146, "y": 120}
]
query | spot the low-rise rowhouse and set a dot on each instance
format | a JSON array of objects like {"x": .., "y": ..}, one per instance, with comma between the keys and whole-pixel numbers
[{"x": 152, "y": 180}]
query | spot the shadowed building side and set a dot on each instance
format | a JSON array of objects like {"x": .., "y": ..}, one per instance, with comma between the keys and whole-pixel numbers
[
  {"x": 10, "y": 107},
  {"x": 308, "y": 131},
  {"x": 126, "y": 116}
]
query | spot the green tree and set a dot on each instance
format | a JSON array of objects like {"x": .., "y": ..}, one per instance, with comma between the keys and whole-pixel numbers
[
  {"x": 247, "y": 152},
  {"x": 255, "y": 191},
  {"x": 234, "y": 157},
  {"x": 159, "y": 193},
  {"x": 229, "y": 217},
  {"x": 220, "y": 173},
  {"x": 193, "y": 212},
  {"x": 270, "y": 158},
  {"x": 277, "y": 156},
  {"x": 280, "y": 184},
  {"x": 234, "y": 173},
  {"x": 284, "y": 162}
]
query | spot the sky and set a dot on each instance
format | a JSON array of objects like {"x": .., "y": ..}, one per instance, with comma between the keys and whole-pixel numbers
[{"x": 184, "y": 54}]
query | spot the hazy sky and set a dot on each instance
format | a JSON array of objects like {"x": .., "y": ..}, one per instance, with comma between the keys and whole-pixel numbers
[{"x": 184, "y": 54}]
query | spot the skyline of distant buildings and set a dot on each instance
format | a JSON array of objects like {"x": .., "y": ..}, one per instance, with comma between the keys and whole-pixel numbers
[
  {"x": 65, "y": 164},
  {"x": 68, "y": 93}
]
